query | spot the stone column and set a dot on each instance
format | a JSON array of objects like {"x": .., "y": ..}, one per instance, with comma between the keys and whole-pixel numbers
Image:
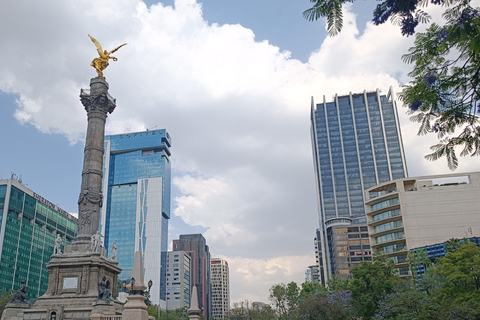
[{"x": 98, "y": 103}]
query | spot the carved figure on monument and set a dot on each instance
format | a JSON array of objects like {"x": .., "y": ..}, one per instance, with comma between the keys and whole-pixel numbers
[
  {"x": 85, "y": 279},
  {"x": 58, "y": 242},
  {"x": 114, "y": 251},
  {"x": 84, "y": 219},
  {"x": 103, "y": 290},
  {"x": 96, "y": 241},
  {"x": 21, "y": 294},
  {"x": 92, "y": 198},
  {"x": 101, "y": 63}
]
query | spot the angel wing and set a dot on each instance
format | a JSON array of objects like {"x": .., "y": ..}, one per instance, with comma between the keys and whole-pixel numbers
[
  {"x": 117, "y": 48},
  {"x": 97, "y": 44}
]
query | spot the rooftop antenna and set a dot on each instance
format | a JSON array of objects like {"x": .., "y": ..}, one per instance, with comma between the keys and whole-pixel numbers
[{"x": 151, "y": 128}]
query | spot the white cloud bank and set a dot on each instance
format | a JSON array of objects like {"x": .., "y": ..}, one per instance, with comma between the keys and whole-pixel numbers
[{"x": 237, "y": 110}]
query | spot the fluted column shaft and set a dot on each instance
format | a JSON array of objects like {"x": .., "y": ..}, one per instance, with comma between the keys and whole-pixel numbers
[{"x": 97, "y": 104}]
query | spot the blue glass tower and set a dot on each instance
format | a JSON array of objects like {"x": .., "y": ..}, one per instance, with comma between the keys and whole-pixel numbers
[
  {"x": 356, "y": 144},
  {"x": 136, "y": 210}
]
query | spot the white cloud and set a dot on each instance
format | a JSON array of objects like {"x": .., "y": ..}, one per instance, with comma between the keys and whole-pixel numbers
[{"x": 237, "y": 110}]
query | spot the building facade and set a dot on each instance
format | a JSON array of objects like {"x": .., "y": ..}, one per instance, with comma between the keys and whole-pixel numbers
[
  {"x": 356, "y": 144},
  {"x": 411, "y": 213},
  {"x": 136, "y": 210},
  {"x": 312, "y": 274},
  {"x": 196, "y": 246},
  {"x": 220, "y": 289},
  {"x": 178, "y": 280},
  {"x": 29, "y": 225}
]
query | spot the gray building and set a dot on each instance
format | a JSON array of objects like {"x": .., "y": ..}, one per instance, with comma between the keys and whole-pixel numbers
[
  {"x": 356, "y": 143},
  {"x": 196, "y": 246},
  {"x": 178, "y": 280}
]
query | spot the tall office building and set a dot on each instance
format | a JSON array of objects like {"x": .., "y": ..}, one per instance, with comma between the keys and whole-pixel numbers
[
  {"x": 220, "y": 289},
  {"x": 196, "y": 246},
  {"x": 406, "y": 214},
  {"x": 28, "y": 227},
  {"x": 178, "y": 280},
  {"x": 136, "y": 210},
  {"x": 356, "y": 144}
]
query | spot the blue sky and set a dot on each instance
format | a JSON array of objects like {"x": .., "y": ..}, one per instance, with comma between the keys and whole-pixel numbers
[{"x": 231, "y": 81}]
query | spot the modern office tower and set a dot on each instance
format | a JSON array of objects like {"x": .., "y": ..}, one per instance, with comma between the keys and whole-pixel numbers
[
  {"x": 136, "y": 210},
  {"x": 178, "y": 280},
  {"x": 411, "y": 213},
  {"x": 196, "y": 246},
  {"x": 29, "y": 225},
  {"x": 356, "y": 144},
  {"x": 312, "y": 274},
  {"x": 220, "y": 289}
]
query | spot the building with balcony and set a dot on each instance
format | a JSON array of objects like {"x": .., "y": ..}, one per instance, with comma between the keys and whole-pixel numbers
[
  {"x": 410, "y": 213},
  {"x": 356, "y": 144},
  {"x": 220, "y": 289}
]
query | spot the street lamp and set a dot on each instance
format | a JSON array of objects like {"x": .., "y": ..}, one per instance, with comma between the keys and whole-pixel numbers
[
  {"x": 150, "y": 284},
  {"x": 132, "y": 282}
]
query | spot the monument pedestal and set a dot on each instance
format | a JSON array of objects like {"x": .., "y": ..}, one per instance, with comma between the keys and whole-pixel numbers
[
  {"x": 14, "y": 311},
  {"x": 73, "y": 285}
]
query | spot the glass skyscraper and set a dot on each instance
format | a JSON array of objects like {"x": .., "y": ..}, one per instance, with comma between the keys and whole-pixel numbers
[
  {"x": 136, "y": 210},
  {"x": 356, "y": 144},
  {"x": 28, "y": 226}
]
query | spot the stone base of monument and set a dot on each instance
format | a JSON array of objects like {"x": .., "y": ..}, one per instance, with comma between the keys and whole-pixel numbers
[
  {"x": 14, "y": 311},
  {"x": 73, "y": 286}
]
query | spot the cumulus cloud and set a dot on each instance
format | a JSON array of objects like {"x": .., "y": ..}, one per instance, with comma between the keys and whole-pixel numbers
[{"x": 237, "y": 110}]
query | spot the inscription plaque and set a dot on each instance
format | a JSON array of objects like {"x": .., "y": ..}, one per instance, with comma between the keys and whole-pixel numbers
[{"x": 70, "y": 283}]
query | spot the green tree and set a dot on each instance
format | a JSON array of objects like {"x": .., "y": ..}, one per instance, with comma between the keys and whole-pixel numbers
[
  {"x": 5, "y": 298},
  {"x": 460, "y": 272},
  {"x": 278, "y": 297},
  {"x": 452, "y": 245},
  {"x": 407, "y": 302},
  {"x": 371, "y": 283},
  {"x": 444, "y": 92},
  {"x": 459, "y": 291},
  {"x": 406, "y": 13},
  {"x": 249, "y": 310}
]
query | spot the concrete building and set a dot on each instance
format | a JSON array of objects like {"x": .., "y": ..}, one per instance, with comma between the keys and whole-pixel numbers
[
  {"x": 312, "y": 274},
  {"x": 356, "y": 144},
  {"x": 29, "y": 225},
  {"x": 220, "y": 289},
  {"x": 196, "y": 246},
  {"x": 178, "y": 280},
  {"x": 136, "y": 210},
  {"x": 410, "y": 213}
]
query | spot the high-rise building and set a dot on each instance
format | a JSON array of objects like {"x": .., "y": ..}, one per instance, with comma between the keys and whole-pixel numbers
[
  {"x": 356, "y": 144},
  {"x": 136, "y": 210},
  {"x": 411, "y": 213},
  {"x": 178, "y": 280},
  {"x": 220, "y": 289},
  {"x": 196, "y": 246},
  {"x": 29, "y": 225},
  {"x": 312, "y": 274}
]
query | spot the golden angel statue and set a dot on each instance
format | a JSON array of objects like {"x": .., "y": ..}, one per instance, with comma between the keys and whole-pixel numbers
[{"x": 102, "y": 62}]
